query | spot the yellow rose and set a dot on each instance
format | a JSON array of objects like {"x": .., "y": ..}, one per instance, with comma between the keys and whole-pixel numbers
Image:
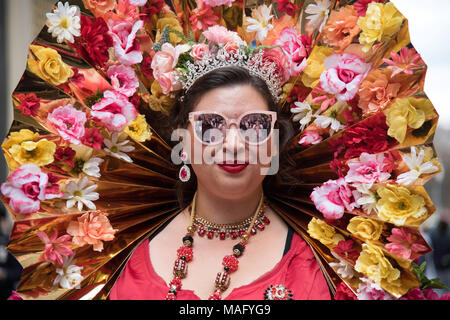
[
  {"x": 365, "y": 228},
  {"x": 381, "y": 22},
  {"x": 375, "y": 265},
  {"x": 314, "y": 68},
  {"x": 47, "y": 64},
  {"x": 397, "y": 204},
  {"x": 169, "y": 19},
  {"x": 139, "y": 129},
  {"x": 323, "y": 232},
  {"x": 18, "y": 137},
  {"x": 408, "y": 112}
]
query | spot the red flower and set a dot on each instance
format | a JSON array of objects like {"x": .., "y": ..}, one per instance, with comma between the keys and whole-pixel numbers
[
  {"x": 287, "y": 6},
  {"x": 345, "y": 249},
  {"x": 77, "y": 78},
  {"x": 29, "y": 104},
  {"x": 343, "y": 292},
  {"x": 65, "y": 155},
  {"x": 148, "y": 12},
  {"x": 136, "y": 100},
  {"x": 53, "y": 186},
  {"x": 95, "y": 40},
  {"x": 93, "y": 138},
  {"x": 146, "y": 67},
  {"x": 361, "y": 6},
  {"x": 413, "y": 294}
]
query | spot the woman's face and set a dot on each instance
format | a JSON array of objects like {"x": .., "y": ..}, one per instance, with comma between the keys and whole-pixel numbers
[{"x": 218, "y": 179}]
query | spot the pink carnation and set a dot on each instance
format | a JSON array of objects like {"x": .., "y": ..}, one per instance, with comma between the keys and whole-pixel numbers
[
  {"x": 126, "y": 46},
  {"x": 202, "y": 18},
  {"x": 333, "y": 198},
  {"x": 26, "y": 187},
  {"x": 92, "y": 228},
  {"x": 199, "y": 51},
  {"x": 280, "y": 61},
  {"x": 370, "y": 168},
  {"x": 406, "y": 243},
  {"x": 123, "y": 79},
  {"x": 69, "y": 122},
  {"x": 310, "y": 137},
  {"x": 343, "y": 75},
  {"x": 369, "y": 290},
  {"x": 114, "y": 110},
  {"x": 221, "y": 35},
  {"x": 55, "y": 247}
]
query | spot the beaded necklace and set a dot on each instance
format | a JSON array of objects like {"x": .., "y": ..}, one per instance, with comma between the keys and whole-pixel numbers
[{"x": 230, "y": 262}]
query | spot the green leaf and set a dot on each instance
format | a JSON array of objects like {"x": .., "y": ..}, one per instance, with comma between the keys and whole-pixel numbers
[{"x": 426, "y": 283}]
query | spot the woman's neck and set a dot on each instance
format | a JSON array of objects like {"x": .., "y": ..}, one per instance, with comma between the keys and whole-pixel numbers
[{"x": 225, "y": 211}]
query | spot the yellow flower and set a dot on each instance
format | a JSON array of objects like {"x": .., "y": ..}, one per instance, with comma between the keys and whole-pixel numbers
[
  {"x": 48, "y": 65},
  {"x": 314, "y": 68},
  {"x": 169, "y": 19},
  {"x": 381, "y": 23},
  {"x": 323, "y": 232},
  {"x": 408, "y": 112},
  {"x": 22, "y": 148},
  {"x": 157, "y": 100},
  {"x": 375, "y": 265},
  {"x": 397, "y": 204},
  {"x": 365, "y": 228},
  {"x": 139, "y": 129}
]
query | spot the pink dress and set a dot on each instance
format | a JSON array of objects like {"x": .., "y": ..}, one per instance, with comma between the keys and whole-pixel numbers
[{"x": 298, "y": 271}]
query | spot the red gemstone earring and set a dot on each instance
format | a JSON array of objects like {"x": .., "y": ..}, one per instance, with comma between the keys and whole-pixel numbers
[{"x": 185, "y": 172}]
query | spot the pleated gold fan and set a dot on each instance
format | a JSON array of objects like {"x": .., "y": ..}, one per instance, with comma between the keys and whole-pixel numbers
[{"x": 90, "y": 152}]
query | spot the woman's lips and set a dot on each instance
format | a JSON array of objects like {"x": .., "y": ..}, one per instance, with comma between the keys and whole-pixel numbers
[{"x": 233, "y": 168}]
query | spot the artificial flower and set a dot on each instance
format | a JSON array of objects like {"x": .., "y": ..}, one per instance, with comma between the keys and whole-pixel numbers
[
  {"x": 146, "y": 67},
  {"x": 365, "y": 228},
  {"x": 368, "y": 169},
  {"x": 396, "y": 205},
  {"x": 343, "y": 75},
  {"x": 69, "y": 122},
  {"x": 202, "y": 18},
  {"x": 26, "y": 187},
  {"x": 296, "y": 47},
  {"x": 310, "y": 137},
  {"x": 325, "y": 122},
  {"x": 96, "y": 41},
  {"x": 69, "y": 275},
  {"x": 332, "y": 198},
  {"x": 117, "y": 147},
  {"x": 199, "y": 51},
  {"x": 216, "y": 3},
  {"x": 80, "y": 194},
  {"x": 315, "y": 65},
  {"x": 29, "y": 104},
  {"x": 369, "y": 290},
  {"x": 408, "y": 113},
  {"x": 91, "y": 167},
  {"x": 126, "y": 46},
  {"x": 365, "y": 198},
  {"x": 92, "y": 138},
  {"x": 303, "y": 114},
  {"x": 47, "y": 64},
  {"x": 125, "y": 12},
  {"x": 341, "y": 28},
  {"x": 381, "y": 23},
  {"x": 342, "y": 267},
  {"x": 343, "y": 292},
  {"x": 413, "y": 294},
  {"x": 346, "y": 249},
  {"x": 405, "y": 243},
  {"x": 361, "y": 6},
  {"x": 138, "y": 3},
  {"x": 404, "y": 61},
  {"x": 375, "y": 265},
  {"x": 260, "y": 22},
  {"x": 287, "y": 7},
  {"x": 318, "y": 14},
  {"x": 64, "y": 22},
  {"x": 279, "y": 61},
  {"x": 170, "y": 20},
  {"x": 323, "y": 232},
  {"x": 65, "y": 155},
  {"x": 55, "y": 247},
  {"x": 40, "y": 152},
  {"x": 84, "y": 162},
  {"x": 139, "y": 129},
  {"x": 115, "y": 111},
  {"x": 221, "y": 35},
  {"x": 417, "y": 167},
  {"x": 123, "y": 79},
  {"x": 92, "y": 228},
  {"x": 100, "y": 7}
]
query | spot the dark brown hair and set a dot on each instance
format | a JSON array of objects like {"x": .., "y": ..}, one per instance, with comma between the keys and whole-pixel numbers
[{"x": 227, "y": 77}]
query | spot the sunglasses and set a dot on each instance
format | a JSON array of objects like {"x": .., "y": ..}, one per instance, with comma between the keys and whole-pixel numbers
[{"x": 254, "y": 127}]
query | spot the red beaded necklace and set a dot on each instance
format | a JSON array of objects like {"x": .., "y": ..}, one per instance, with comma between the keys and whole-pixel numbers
[{"x": 230, "y": 262}]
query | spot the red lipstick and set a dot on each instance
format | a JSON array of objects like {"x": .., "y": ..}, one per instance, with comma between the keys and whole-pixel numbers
[{"x": 233, "y": 167}]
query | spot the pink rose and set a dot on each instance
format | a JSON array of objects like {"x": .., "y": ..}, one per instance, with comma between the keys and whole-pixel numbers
[
  {"x": 221, "y": 35},
  {"x": 123, "y": 79},
  {"x": 92, "y": 228},
  {"x": 69, "y": 122},
  {"x": 370, "y": 168},
  {"x": 310, "y": 137},
  {"x": 296, "y": 48},
  {"x": 126, "y": 46},
  {"x": 343, "y": 75},
  {"x": 216, "y": 3},
  {"x": 26, "y": 187},
  {"x": 199, "y": 51},
  {"x": 281, "y": 62},
  {"x": 333, "y": 198},
  {"x": 114, "y": 110}
]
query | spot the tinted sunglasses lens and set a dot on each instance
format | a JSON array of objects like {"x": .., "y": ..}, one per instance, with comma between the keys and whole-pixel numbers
[
  {"x": 256, "y": 127},
  {"x": 210, "y": 127}
]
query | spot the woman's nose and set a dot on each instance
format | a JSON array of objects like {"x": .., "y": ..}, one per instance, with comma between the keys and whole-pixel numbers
[{"x": 232, "y": 142}]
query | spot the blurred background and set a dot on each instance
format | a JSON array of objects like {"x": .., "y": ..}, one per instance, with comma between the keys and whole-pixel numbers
[{"x": 21, "y": 21}]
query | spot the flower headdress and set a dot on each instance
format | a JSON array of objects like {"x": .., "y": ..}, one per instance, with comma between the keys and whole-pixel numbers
[{"x": 91, "y": 170}]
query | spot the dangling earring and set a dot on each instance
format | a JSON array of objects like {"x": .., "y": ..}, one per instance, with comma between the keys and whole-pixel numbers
[{"x": 185, "y": 172}]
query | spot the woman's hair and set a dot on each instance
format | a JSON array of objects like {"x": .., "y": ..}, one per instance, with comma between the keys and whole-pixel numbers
[{"x": 228, "y": 77}]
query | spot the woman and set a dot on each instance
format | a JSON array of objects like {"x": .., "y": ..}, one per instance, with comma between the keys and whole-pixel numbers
[{"x": 276, "y": 256}]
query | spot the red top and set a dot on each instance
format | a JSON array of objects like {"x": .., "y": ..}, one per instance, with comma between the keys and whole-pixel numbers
[{"x": 298, "y": 271}]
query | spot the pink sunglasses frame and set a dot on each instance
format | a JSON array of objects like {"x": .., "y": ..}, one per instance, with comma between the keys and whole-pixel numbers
[{"x": 235, "y": 121}]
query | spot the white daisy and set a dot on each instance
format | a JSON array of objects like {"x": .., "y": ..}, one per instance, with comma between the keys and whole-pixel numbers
[
  {"x": 117, "y": 146},
  {"x": 81, "y": 194},
  {"x": 342, "y": 267},
  {"x": 303, "y": 113},
  {"x": 365, "y": 198},
  {"x": 64, "y": 22},
  {"x": 91, "y": 167},
  {"x": 415, "y": 163},
  {"x": 260, "y": 23},
  {"x": 325, "y": 122},
  {"x": 318, "y": 13},
  {"x": 69, "y": 276}
]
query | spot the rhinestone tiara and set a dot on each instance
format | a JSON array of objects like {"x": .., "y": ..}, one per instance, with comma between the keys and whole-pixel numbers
[{"x": 253, "y": 63}]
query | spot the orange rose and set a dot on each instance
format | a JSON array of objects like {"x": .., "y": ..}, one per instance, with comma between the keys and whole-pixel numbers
[
  {"x": 100, "y": 7},
  {"x": 341, "y": 28}
]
